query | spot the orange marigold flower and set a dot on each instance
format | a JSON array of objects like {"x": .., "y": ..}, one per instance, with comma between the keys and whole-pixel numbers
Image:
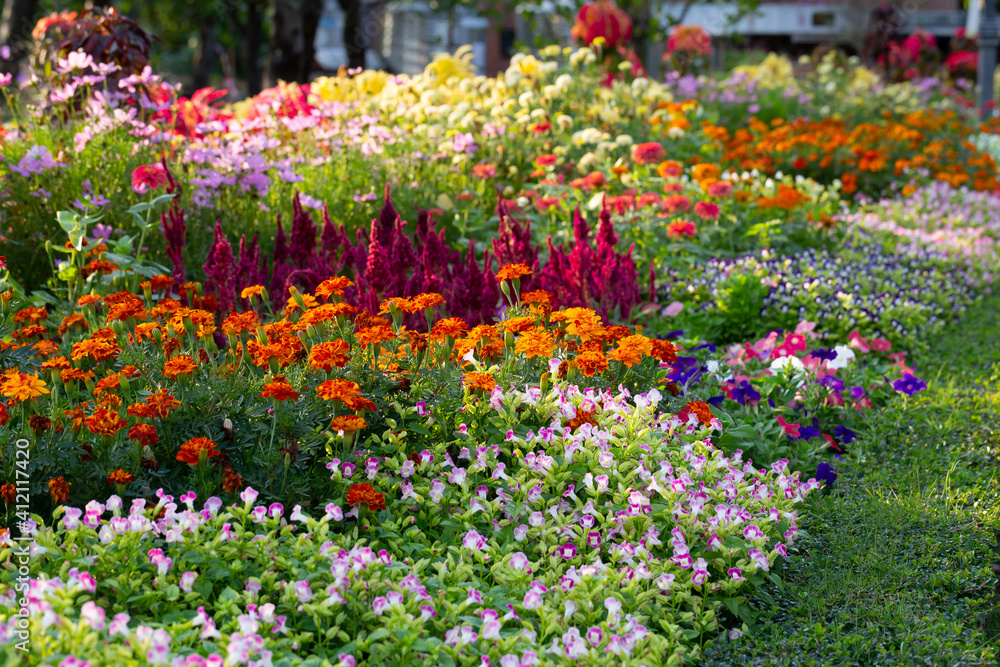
[
  {"x": 99, "y": 348},
  {"x": 239, "y": 322},
  {"x": 402, "y": 303},
  {"x": 325, "y": 356},
  {"x": 87, "y": 299},
  {"x": 333, "y": 286},
  {"x": 253, "y": 290},
  {"x": 701, "y": 410},
  {"x": 427, "y": 300},
  {"x": 59, "y": 488},
  {"x": 144, "y": 434},
  {"x": 364, "y": 494},
  {"x": 23, "y": 387},
  {"x": 77, "y": 416},
  {"x": 338, "y": 390},
  {"x": 374, "y": 335},
  {"x": 517, "y": 324},
  {"x": 39, "y": 423},
  {"x": 513, "y": 272},
  {"x": 483, "y": 332},
  {"x": 663, "y": 350},
  {"x": 161, "y": 403},
  {"x": 105, "y": 422},
  {"x": 591, "y": 362},
  {"x": 9, "y": 493},
  {"x": 44, "y": 348},
  {"x": 281, "y": 391},
  {"x": 538, "y": 296},
  {"x": 182, "y": 364},
  {"x": 482, "y": 381},
  {"x": 160, "y": 282},
  {"x": 109, "y": 383},
  {"x": 632, "y": 349},
  {"x": 126, "y": 309},
  {"x": 120, "y": 477},
  {"x": 31, "y": 314},
  {"x": 359, "y": 403},
  {"x": 536, "y": 342},
  {"x": 451, "y": 326},
  {"x": 348, "y": 423},
  {"x": 55, "y": 363},
  {"x": 197, "y": 450},
  {"x": 581, "y": 322},
  {"x": 231, "y": 480},
  {"x": 70, "y": 321}
]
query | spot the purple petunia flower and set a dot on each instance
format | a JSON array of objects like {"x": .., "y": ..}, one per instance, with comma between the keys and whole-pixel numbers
[
  {"x": 826, "y": 473},
  {"x": 844, "y": 434},
  {"x": 745, "y": 393},
  {"x": 909, "y": 384}
]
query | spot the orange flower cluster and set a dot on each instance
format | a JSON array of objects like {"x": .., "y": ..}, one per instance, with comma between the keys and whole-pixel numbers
[
  {"x": 701, "y": 410},
  {"x": 23, "y": 387},
  {"x": 324, "y": 356},
  {"x": 105, "y": 422},
  {"x": 338, "y": 390},
  {"x": 873, "y": 152},
  {"x": 120, "y": 477},
  {"x": 279, "y": 390},
  {"x": 180, "y": 365},
  {"x": 364, "y": 494},
  {"x": 513, "y": 272},
  {"x": 483, "y": 381},
  {"x": 413, "y": 304},
  {"x": 59, "y": 488},
  {"x": 193, "y": 451},
  {"x": 348, "y": 423}
]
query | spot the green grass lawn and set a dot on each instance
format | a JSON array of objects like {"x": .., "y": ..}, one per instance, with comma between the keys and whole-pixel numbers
[{"x": 896, "y": 564}]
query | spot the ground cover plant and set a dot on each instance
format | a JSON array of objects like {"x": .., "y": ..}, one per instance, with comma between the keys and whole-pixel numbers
[{"x": 566, "y": 365}]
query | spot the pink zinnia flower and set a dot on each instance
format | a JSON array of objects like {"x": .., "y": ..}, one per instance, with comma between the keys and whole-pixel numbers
[
  {"x": 706, "y": 210},
  {"x": 720, "y": 189},
  {"x": 148, "y": 177},
  {"x": 676, "y": 203}
]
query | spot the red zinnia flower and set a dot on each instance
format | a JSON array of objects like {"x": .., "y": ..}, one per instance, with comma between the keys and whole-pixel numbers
[
  {"x": 647, "y": 153},
  {"x": 681, "y": 228}
]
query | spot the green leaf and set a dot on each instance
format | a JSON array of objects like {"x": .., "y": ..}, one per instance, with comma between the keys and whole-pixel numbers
[
  {"x": 229, "y": 595},
  {"x": 381, "y": 633}
]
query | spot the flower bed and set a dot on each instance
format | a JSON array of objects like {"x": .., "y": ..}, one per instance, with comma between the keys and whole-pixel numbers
[
  {"x": 485, "y": 437},
  {"x": 514, "y": 550}
]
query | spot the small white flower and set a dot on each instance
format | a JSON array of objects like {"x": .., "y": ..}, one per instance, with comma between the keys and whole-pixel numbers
[{"x": 844, "y": 356}]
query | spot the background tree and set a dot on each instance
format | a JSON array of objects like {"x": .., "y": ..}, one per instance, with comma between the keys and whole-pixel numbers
[{"x": 16, "y": 24}]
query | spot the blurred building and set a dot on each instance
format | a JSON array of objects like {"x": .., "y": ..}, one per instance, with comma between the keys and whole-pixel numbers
[{"x": 403, "y": 37}]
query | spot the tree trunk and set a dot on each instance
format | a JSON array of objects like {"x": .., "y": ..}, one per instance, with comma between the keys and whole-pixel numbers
[
  {"x": 15, "y": 29},
  {"x": 293, "y": 42},
  {"x": 251, "y": 55},
  {"x": 640, "y": 32},
  {"x": 312, "y": 11},
  {"x": 356, "y": 39},
  {"x": 205, "y": 56},
  {"x": 286, "y": 41}
]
